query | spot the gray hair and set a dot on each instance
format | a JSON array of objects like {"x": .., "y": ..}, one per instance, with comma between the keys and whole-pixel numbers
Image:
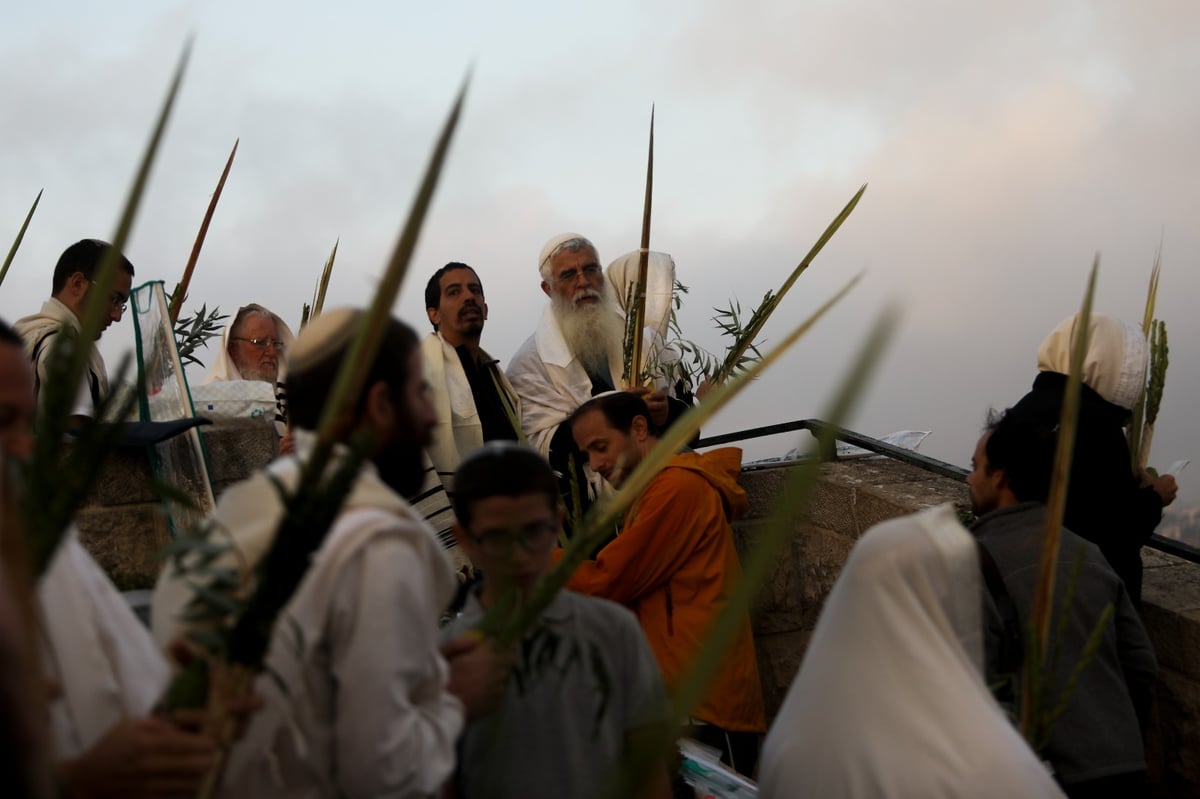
[
  {"x": 570, "y": 245},
  {"x": 248, "y": 311}
]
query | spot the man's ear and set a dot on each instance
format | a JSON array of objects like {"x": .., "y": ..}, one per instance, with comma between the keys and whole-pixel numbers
[
  {"x": 77, "y": 284},
  {"x": 380, "y": 410},
  {"x": 640, "y": 428},
  {"x": 434, "y": 316},
  {"x": 484, "y": 306},
  {"x": 466, "y": 542},
  {"x": 546, "y": 288}
]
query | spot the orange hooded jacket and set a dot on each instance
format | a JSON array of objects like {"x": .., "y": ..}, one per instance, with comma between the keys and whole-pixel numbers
[{"x": 674, "y": 564}]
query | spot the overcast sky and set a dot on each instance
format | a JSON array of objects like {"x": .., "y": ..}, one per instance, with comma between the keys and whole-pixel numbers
[{"x": 1004, "y": 144}]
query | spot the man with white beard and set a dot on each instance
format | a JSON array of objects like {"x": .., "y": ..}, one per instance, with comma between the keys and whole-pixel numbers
[{"x": 575, "y": 353}]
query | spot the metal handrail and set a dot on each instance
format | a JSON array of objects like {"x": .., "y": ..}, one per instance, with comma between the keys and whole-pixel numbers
[{"x": 814, "y": 426}]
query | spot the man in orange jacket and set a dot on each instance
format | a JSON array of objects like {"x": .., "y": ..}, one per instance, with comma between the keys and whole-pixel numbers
[{"x": 674, "y": 564}]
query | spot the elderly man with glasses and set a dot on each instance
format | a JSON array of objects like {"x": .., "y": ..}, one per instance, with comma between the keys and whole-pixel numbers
[
  {"x": 254, "y": 351},
  {"x": 69, "y": 291}
]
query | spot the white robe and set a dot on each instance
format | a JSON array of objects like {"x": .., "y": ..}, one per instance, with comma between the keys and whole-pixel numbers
[
  {"x": 890, "y": 699},
  {"x": 96, "y": 649},
  {"x": 354, "y": 686},
  {"x": 551, "y": 382}
]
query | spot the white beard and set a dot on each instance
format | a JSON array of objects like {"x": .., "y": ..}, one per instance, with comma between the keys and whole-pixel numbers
[
  {"x": 591, "y": 331},
  {"x": 254, "y": 373}
]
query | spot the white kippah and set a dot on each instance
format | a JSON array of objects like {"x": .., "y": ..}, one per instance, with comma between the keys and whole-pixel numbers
[
  {"x": 556, "y": 242},
  {"x": 322, "y": 338}
]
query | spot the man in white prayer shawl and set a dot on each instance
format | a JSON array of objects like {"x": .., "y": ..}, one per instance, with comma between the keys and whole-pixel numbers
[
  {"x": 890, "y": 699},
  {"x": 576, "y": 353},
  {"x": 473, "y": 399},
  {"x": 108, "y": 673},
  {"x": 247, "y": 376},
  {"x": 68, "y": 296},
  {"x": 359, "y": 698}
]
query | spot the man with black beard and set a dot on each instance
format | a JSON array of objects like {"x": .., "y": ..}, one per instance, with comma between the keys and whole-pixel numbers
[
  {"x": 360, "y": 699},
  {"x": 575, "y": 354}
]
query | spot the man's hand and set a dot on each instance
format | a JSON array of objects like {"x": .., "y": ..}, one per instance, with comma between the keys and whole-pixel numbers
[
  {"x": 478, "y": 673},
  {"x": 1165, "y": 486},
  {"x": 656, "y": 401},
  {"x": 140, "y": 758}
]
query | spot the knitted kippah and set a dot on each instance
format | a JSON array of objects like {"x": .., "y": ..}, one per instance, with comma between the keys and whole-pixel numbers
[{"x": 327, "y": 336}]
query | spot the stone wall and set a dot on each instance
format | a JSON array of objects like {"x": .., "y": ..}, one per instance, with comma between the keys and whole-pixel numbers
[
  {"x": 850, "y": 497},
  {"x": 855, "y": 494},
  {"x": 123, "y": 523}
]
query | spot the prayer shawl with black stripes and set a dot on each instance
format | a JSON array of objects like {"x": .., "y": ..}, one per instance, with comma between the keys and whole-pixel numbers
[{"x": 459, "y": 431}]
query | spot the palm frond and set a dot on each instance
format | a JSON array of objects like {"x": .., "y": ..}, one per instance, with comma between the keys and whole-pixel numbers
[
  {"x": 180, "y": 293},
  {"x": 1043, "y": 594},
  {"x": 12, "y": 251}
]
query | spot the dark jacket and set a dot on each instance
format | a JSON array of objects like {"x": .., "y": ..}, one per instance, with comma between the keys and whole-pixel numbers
[
  {"x": 1106, "y": 503},
  {"x": 1099, "y": 734}
]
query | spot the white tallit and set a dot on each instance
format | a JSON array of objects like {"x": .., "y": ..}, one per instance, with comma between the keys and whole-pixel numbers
[
  {"x": 1115, "y": 364},
  {"x": 551, "y": 382},
  {"x": 660, "y": 286},
  {"x": 37, "y": 328},
  {"x": 458, "y": 432},
  {"x": 890, "y": 700},
  {"x": 96, "y": 649}
]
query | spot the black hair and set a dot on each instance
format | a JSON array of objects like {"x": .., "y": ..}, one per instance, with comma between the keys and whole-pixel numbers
[
  {"x": 1024, "y": 448},
  {"x": 433, "y": 289},
  {"x": 308, "y": 389},
  {"x": 620, "y": 408},
  {"x": 83, "y": 256},
  {"x": 10, "y": 336},
  {"x": 502, "y": 469}
]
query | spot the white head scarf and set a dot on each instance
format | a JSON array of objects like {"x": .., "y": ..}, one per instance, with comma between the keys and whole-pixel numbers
[
  {"x": 890, "y": 699},
  {"x": 224, "y": 368},
  {"x": 1115, "y": 364},
  {"x": 660, "y": 286}
]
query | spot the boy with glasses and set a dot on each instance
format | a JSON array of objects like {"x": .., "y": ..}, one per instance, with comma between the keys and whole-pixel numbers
[{"x": 585, "y": 687}]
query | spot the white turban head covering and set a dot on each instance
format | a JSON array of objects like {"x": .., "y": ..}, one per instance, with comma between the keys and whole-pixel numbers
[
  {"x": 551, "y": 249},
  {"x": 1115, "y": 364}
]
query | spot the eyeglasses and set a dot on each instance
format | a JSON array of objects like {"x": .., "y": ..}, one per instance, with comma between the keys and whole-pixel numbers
[
  {"x": 263, "y": 343},
  {"x": 534, "y": 538},
  {"x": 571, "y": 275},
  {"x": 117, "y": 302}
]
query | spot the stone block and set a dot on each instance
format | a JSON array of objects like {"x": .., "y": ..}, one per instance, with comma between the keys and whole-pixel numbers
[
  {"x": 126, "y": 541},
  {"x": 1173, "y": 740},
  {"x": 779, "y": 658},
  {"x": 236, "y": 448},
  {"x": 124, "y": 480}
]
